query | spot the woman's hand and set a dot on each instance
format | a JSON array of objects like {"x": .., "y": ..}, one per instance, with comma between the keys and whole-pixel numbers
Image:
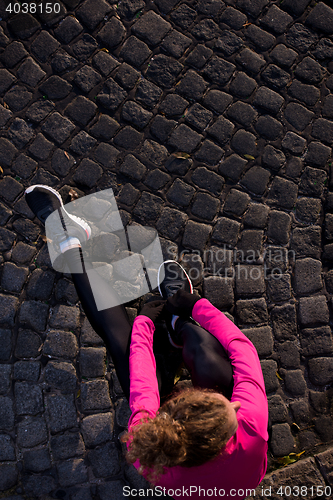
[
  {"x": 153, "y": 309},
  {"x": 182, "y": 303}
]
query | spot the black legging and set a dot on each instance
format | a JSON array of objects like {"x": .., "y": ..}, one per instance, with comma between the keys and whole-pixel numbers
[{"x": 202, "y": 354}]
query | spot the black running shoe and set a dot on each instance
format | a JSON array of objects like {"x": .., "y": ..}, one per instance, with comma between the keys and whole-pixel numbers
[
  {"x": 45, "y": 201},
  {"x": 175, "y": 278}
]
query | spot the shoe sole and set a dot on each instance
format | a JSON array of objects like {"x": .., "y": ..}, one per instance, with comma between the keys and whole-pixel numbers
[
  {"x": 87, "y": 229},
  {"x": 174, "y": 262}
]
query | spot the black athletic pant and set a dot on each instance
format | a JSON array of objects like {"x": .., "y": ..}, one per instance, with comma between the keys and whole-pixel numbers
[{"x": 203, "y": 355}]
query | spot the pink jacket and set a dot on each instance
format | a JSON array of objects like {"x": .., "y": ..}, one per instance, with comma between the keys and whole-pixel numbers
[{"x": 243, "y": 462}]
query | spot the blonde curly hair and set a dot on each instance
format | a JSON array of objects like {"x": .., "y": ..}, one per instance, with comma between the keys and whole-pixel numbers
[{"x": 189, "y": 430}]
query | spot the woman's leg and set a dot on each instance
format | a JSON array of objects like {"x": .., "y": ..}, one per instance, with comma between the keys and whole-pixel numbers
[
  {"x": 112, "y": 324},
  {"x": 205, "y": 358}
]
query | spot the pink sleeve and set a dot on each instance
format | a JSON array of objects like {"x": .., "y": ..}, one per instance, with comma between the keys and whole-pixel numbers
[
  {"x": 249, "y": 387},
  {"x": 144, "y": 394}
]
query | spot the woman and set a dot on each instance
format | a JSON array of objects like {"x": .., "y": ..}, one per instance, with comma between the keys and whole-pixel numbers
[{"x": 198, "y": 438}]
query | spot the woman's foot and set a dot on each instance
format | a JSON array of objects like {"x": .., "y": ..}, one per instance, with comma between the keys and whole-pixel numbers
[
  {"x": 64, "y": 229},
  {"x": 175, "y": 278}
]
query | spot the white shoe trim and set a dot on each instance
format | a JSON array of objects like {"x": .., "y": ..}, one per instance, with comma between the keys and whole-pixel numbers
[{"x": 174, "y": 262}]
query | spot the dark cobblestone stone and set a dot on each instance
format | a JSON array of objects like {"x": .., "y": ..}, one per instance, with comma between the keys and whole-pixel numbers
[
  {"x": 256, "y": 215},
  {"x": 219, "y": 291},
  {"x": 277, "y": 409},
  {"x": 7, "y": 450},
  {"x": 28, "y": 371},
  {"x": 298, "y": 115},
  {"x": 261, "y": 338},
  {"x": 205, "y": 30},
  {"x": 250, "y": 245},
  {"x": 242, "y": 85},
  {"x": 323, "y": 426},
  {"x": 244, "y": 142},
  {"x": 104, "y": 63},
  {"x": 242, "y": 113},
  {"x": 305, "y": 93},
  {"x": 293, "y": 143},
  {"x": 300, "y": 37},
  {"x": 269, "y": 368},
  {"x": 61, "y": 162},
  {"x": 81, "y": 110},
  {"x": 209, "y": 153},
  {"x": 6, "y": 342},
  {"x": 161, "y": 127},
  {"x": 279, "y": 287},
  {"x": 13, "y": 277},
  {"x": 9, "y": 305},
  {"x": 61, "y": 412},
  {"x": 276, "y": 76},
  {"x": 127, "y": 76},
  {"x": 6, "y": 80},
  {"x": 164, "y": 70},
  {"x": 30, "y": 72},
  {"x": 84, "y": 47},
  {"x": 64, "y": 317},
  {"x": 171, "y": 222},
  {"x": 249, "y": 280},
  {"x": 92, "y": 362},
  {"x": 205, "y": 206},
  {"x": 282, "y": 441},
  {"x": 95, "y": 395},
  {"x": 39, "y": 110},
  {"x": 310, "y": 71},
  {"x": 147, "y": 93},
  {"x": 232, "y": 167},
  {"x": 68, "y": 29},
  {"x": 198, "y": 116},
  {"x": 13, "y": 54},
  {"x": 62, "y": 61},
  {"x": 294, "y": 382},
  {"x": 260, "y": 38},
  {"x": 283, "y": 56},
  {"x": 149, "y": 207},
  {"x": 196, "y": 235},
  {"x": 181, "y": 193},
  {"x": 88, "y": 173},
  {"x": 306, "y": 241},
  {"x": 28, "y": 344},
  {"x": 104, "y": 460},
  {"x": 276, "y": 20},
  {"x": 111, "y": 95},
  {"x": 128, "y": 195},
  {"x": 20, "y": 133},
  {"x": 206, "y": 179},
  {"x": 173, "y": 105},
  {"x": 72, "y": 472},
  {"x": 10, "y": 188},
  {"x": 58, "y": 128},
  {"x": 268, "y": 100},
  {"x": 236, "y": 202},
  {"x": 221, "y": 130},
  {"x": 28, "y": 399},
  {"x": 67, "y": 445},
  {"x": 218, "y": 70},
  {"x": 279, "y": 227},
  {"x": 37, "y": 460},
  {"x": 307, "y": 277},
  {"x": 323, "y": 129},
  {"x": 226, "y": 231},
  {"x": 5, "y": 381},
  {"x": 316, "y": 341},
  {"x": 175, "y": 43},
  {"x": 184, "y": 138},
  {"x": 106, "y": 155},
  {"x": 105, "y": 128},
  {"x": 252, "y": 311},
  {"x": 233, "y": 18},
  {"x": 135, "y": 114},
  {"x": 313, "y": 310},
  {"x": 156, "y": 179},
  {"x": 321, "y": 18},
  {"x": 7, "y": 416},
  {"x": 283, "y": 193},
  {"x": 289, "y": 356},
  {"x": 41, "y": 147},
  {"x": 97, "y": 429},
  {"x": 312, "y": 181},
  {"x": 133, "y": 168},
  {"x": 65, "y": 290},
  {"x": 128, "y": 138},
  {"x": 61, "y": 376},
  {"x": 317, "y": 154},
  {"x": 284, "y": 322},
  {"x": 183, "y": 16},
  {"x": 321, "y": 370},
  {"x": 256, "y": 180},
  {"x": 31, "y": 431},
  {"x": 43, "y": 46},
  {"x": 217, "y": 101}
]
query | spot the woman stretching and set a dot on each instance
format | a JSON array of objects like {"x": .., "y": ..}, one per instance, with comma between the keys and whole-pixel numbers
[{"x": 199, "y": 439}]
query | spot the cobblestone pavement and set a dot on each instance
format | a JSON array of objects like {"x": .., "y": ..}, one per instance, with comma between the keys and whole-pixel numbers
[{"x": 108, "y": 94}]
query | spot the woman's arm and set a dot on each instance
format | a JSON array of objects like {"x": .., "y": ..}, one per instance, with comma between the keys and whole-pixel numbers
[
  {"x": 144, "y": 394},
  {"x": 249, "y": 387}
]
